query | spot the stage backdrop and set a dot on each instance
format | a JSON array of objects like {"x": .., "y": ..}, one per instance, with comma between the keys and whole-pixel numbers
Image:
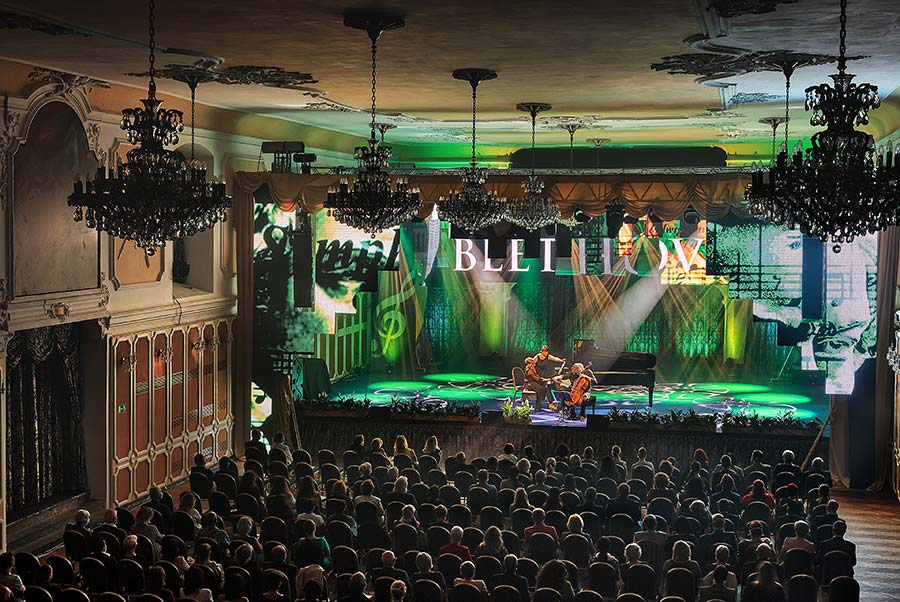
[{"x": 732, "y": 300}]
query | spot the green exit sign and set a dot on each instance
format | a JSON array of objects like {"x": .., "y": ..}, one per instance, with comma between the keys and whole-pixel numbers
[{"x": 122, "y": 408}]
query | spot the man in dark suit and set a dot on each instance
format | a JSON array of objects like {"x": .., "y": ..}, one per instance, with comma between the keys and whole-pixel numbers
[
  {"x": 425, "y": 569},
  {"x": 829, "y": 517},
  {"x": 200, "y": 466},
  {"x": 622, "y": 504},
  {"x": 279, "y": 562},
  {"x": 256, "y": 443},
  {"x": 356, "y": 589},
  {"x": 837, "y": 543},
  {"x": 484, "y": 483},
  {"x": 716, "y": 537},
  {"x": 510, "y": 577},
  {"x": 156, "y": 502},
  {"x": 109, "y": 525},
  {"x": 718, "y": 590},
  {"x": 387, "y": 569}
]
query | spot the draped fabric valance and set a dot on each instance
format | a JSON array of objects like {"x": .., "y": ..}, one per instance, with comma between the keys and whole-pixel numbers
[{"x": 711, "y": 194}]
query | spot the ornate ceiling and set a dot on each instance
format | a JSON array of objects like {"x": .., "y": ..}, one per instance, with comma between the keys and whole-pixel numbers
[{"x": 648, "y": 72}]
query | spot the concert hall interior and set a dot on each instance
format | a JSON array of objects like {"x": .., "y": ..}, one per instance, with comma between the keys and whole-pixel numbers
[{"x": 344, "y": 300}]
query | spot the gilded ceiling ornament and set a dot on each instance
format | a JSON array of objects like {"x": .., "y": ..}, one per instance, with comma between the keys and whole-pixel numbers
[
  {"x": 729, "y": 9},
  {"x": 12, "y": 20},
  {"x": 66, "y": 82},
  {"x": 208, "y": 70}
]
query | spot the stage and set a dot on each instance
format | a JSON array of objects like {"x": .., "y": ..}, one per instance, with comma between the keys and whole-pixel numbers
[{"x": 806, "y": 402}]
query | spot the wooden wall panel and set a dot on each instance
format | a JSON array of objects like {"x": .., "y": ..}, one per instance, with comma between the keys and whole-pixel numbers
[{"x": 175, "y": 386}]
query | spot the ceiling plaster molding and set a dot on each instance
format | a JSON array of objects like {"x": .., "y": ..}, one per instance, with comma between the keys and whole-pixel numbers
[
  {"x": 14, "y": 20},
  {"x": 65, "y": 82},
  {"x": 211, "y": 71},
  {"x": 729, "y": 9},
  {"x": 744, "y": 98}
]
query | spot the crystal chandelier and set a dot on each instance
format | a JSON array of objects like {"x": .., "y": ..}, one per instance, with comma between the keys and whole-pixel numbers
[
  {"x": 369, "y": 202},
  {"x": 534, "y": 210},
  {"x": 155, "y": 196},
  {"x": 834, "y": 190},
  {"x": 471, "y": 207}
]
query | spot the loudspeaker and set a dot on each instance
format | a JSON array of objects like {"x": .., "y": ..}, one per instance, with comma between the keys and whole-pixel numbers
[
  {"x": 492, "y": 417},
  {"x": 597, "y": 422}
]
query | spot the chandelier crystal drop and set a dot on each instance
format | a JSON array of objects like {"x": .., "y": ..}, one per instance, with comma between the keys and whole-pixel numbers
[
  {"x": 534, "y": 210},
  {"x": 369, "y": 201},
  {"x": 835, "y": 190},
  {"x": 155, "y": 196},
  {"x": 471, "y": 207}
]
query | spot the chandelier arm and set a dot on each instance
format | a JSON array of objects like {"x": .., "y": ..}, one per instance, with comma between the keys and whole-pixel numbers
[{"x": 151, "y": 88}]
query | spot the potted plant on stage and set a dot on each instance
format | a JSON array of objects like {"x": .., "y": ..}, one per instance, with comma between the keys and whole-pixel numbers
[
  {"x": 419, "y": 409},
  {"x": 339, "y": 407},
  {"x": 784, "y": 424},
  {"x": 516, "y": 414}
]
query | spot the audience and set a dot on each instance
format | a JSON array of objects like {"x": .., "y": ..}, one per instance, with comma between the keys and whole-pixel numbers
[{"x": 730, "y": 547}]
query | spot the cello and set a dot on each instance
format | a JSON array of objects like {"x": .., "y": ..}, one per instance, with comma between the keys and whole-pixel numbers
[{"x": 580, "y": 387}]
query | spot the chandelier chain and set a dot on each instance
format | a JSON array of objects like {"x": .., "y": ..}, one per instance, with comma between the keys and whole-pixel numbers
[
  {"x": 193, "y": 85},
  {"x": 842, "y": 54},
  {"x": 787, "y": 109},
  {"x": 474, "y": 100},
  {"x": 533, "y": 125},
  {"x": 152, "y": 48},
  {"x": 374, "y": 78}
]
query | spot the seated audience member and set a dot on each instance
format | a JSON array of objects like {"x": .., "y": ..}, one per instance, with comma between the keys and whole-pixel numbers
[
  {"x": 156, "y": 584},
  {"x": 8, "y": 577},
  {"x": 425, "y": 570},
  {"x": 233, "y": 589},
  {"x": 509, "y": 453},
  {"x": 539, "y": 483},
  {"x": 512, "y": 479},
  {"x": 306, "y": 509},
  {"x": 722, "y": 558},
  {"x": 129, "y": 551},
  {"x": 726, "y": 492},
  {"x": 188, "y": 504},
  {"x": 398, "y": 591},
  {"x": 228, "y": 466},
  {"x": 467, "y": 576},
  {"x": 757, "y": 465},
  {"x": 747, "y": 547},
  {"x": 724, "y": 467},
  {"x": 110, "y": 525},
  {"x": 455, "y": 546},
  {"x": 758, "y": 493},
  {"x": 718, "y": 589},
  {"x": 698, "y": 511},
  {"x": 209, "y": 529},
  {"x": 272, "y": 585},
  {"x": 400, "y": 493},
  {"x": 787, "y": 463},
  {"x": 203, "y": 557},
  {"x": 367, "y": 494},
  {"x": 662, "y": 487},
  {"x": 401, "y": 448},
  {"x": 649, "y": 532},
  {"x": 388, "y": 569},
  {"x": 257, "y": 444},
  {"x": 681, "y": 558},
  {"x": 278, "y": 443},
  {"x": 632, "y": 558},
  {"x": 538, "y": 526},
  {"x": 484, "y": 483},
  {"x": 440, "y": 516},
  {"x": 642, "y": 460},
  {"x": 156, "y": 502},
  {"x": 44, "y": 579},
  {"x": 510, "y": 577},
  {"x": 554, "y": 575},
  {"x": 798, "y": 540},
  {"x": 311, "y": 582},
  {"x": 80, "y": 523},
  {"x": 200, "y": 467},
  {"x": 143, "y": 526},
  {"x": 827, "y": 518},
  {"x": 194, "y": 582},
  {"x": 243, "y": 531},
  {"x": 603, "y": 554},
  {"x": 279, "y": 562},
  {"x": 492, "y": 545},
  {"x": 170, "y": 551},
  {"x": 310, "y": 548},
  {"x": 622, "y": 504},
  {"x": 717, "y": 536},
  {"x": 356, "y": 589},
  {"x": 765, "y": 588},
  {"x": 837, "y": 543}
]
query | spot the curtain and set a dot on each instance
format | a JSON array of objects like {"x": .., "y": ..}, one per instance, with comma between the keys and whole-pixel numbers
[
  {"x": 45, "y": 438},
  {"x": 888, "y": 252}
]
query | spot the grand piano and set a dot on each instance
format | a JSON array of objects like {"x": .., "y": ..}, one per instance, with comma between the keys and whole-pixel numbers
[{"x": 617, "y": 367}]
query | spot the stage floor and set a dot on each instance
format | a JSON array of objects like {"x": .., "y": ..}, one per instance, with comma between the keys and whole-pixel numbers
[{"x": 773, "y": 399}]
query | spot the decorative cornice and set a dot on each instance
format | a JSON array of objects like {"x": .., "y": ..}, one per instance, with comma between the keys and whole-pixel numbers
[
  {"x": 65, "y": 82},
  {"x": 130, "y": 362},
  {"x": 58, "y": 311},
  {"x": 103, "y": 323},
  {"x": 4, "y": 305},
  {"x": 709, "y": 66},
  {"x": 744, "y": 98}
]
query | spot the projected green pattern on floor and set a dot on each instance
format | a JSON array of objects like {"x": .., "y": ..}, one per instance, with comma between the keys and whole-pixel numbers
[{"x": 705, "y": 398}]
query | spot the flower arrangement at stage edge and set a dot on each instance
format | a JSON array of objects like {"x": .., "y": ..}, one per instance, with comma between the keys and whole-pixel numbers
[
  {"x": 324, "y": 403},
  {"x": 517, "y": 413},
  {"x": 418, "y": 406},
  {"x": 673, "y": 418},
  {"x": 784, "y": 421}
]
